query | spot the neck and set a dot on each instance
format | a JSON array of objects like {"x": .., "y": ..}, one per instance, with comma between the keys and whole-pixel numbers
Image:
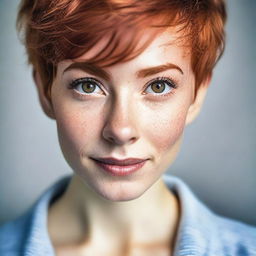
[{"x": 151, "y": 218}]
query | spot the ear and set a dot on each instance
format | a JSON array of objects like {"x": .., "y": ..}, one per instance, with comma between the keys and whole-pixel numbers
[
  {"x": 196, "y": 106},
  {"x": 45, "y": 102}
]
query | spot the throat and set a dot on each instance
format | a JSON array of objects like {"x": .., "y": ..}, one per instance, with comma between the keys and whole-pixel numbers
[{"x": 128, "y": 227}]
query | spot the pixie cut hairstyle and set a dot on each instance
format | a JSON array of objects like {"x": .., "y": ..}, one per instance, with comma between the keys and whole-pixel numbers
[{"x": 55, "y": 30}]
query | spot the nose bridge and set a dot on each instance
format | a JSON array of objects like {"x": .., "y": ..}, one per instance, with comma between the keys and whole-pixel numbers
[
  {"x": 120, "y": 123},
  {"x": 121, "y": 110}
]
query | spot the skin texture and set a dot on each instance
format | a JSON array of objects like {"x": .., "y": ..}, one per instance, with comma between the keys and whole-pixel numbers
[{"x": 123, "y": 119}]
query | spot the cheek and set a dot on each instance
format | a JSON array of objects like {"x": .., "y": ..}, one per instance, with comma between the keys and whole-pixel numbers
[
  {"x": 166, "y": 128},
  {"x": 74, "y": 128},
  {"x": 70, "y": 128}
]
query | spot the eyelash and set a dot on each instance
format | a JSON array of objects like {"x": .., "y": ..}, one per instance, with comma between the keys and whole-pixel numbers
[
  {"x": 76, "y": 82},
  {"x": 171, "y": 83}
]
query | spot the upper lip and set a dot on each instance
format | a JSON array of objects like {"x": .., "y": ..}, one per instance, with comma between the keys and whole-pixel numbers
[{"x": 114, "y": 161}]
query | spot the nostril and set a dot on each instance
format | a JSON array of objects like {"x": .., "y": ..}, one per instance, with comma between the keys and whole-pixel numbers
[
  {"x": 111, "y": 139},
  {"x": 119, "y": 137},
  {"x": 133, "y": 139}
]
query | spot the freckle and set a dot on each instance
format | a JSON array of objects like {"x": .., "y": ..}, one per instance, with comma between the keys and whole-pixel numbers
[{"x": 169, "y": 132}]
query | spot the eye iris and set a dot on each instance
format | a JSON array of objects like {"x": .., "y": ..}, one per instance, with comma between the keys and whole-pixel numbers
[
  {"x": 158, "y": 87},
  {"x": 88, "y": 87}
]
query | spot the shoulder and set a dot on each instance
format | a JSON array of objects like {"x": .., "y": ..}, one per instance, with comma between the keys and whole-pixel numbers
[
  {"x": 203, "y": 231},
  {"x": 12, "y": 235},
  {"x": 237, "y": 238},
  {"x": 28, "y": 234}
]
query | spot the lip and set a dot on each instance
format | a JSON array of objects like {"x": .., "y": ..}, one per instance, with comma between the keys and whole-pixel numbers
[
  {"x": 120, "y": 167},
  {"x": 121, "y": 162}
]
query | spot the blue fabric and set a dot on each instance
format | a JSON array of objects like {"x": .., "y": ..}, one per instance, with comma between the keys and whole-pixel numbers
[{"x": 201, "y": 232}]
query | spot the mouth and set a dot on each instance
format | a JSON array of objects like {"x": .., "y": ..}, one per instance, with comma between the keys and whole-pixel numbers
[{"x": 120, "y": 167}]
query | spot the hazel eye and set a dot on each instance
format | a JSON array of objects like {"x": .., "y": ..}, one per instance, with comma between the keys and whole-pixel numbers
[
  {"x": 160, "y": 86},
  {"x": 86, "y": 86}
]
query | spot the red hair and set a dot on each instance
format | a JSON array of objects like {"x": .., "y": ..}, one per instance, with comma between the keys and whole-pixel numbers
[{"x": 55, "y": 30}]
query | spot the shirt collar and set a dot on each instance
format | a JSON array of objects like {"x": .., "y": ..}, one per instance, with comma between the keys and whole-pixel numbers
[
  {"x": 197, "y": 232},
  {"x": 38, "y": 240}
]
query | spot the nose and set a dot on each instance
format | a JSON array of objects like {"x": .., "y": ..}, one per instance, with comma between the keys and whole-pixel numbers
[{"x": 120, "y": 126}]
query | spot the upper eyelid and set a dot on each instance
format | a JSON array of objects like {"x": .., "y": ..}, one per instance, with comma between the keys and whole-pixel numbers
[
  {"x": 75, "y": 82},
  {"x": 174, "y": 82},
  {"x": 82, "y": 79},
  {"x": 167, "y": 78}
]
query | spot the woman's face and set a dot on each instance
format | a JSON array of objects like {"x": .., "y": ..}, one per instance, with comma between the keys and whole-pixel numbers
[{"x": 135, "y": 109}]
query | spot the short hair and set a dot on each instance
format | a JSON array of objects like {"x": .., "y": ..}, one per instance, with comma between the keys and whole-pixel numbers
[{"x": 54, "y": 30}]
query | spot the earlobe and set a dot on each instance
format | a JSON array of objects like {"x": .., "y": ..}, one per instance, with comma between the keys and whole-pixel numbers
[
  {"x": 197, "y": 104},
  {"x": 44, "y": 100}
]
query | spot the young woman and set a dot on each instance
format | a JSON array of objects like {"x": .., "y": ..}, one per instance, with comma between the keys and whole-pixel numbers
[{"x": 122, "y": 79}]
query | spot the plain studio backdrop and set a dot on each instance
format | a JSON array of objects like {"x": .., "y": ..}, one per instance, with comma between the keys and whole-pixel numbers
[{"x": 217, "y": 158}]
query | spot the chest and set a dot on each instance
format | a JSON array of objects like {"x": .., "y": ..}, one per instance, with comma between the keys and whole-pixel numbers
[{"x": 135, "y": 251}]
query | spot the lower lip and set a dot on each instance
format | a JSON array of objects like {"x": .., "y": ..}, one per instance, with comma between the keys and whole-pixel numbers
[{"x": 120, "y": 170}]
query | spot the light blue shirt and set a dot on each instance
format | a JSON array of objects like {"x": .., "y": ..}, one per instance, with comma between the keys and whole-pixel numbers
[{"x": 201, "y": 232}]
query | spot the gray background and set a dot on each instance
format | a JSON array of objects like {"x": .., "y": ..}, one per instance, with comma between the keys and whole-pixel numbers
[{"x": 217, "y": 158}]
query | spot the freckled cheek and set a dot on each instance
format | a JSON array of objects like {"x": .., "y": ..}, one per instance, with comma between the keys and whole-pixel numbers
[
  {"x": 75, "y": 128},
  {"x": 165, "y": 130}
]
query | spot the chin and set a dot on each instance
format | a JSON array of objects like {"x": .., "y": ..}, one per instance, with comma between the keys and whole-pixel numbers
[
  {"x": 120, "y": 197},
  {"x": 120, "y": 192},
  {"x": 114, "y": 189}
]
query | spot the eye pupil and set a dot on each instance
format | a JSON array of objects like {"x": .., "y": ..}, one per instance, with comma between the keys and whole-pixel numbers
[
  {"x": 88, "y": 87},
  {"x": 158, "y": 87}
]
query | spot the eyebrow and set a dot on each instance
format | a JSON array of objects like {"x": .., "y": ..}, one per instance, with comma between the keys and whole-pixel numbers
[
  {"x": 90, "y": 68},
  {"x": 154, "y": 70},
  {"x": 97, "y": 71}
]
